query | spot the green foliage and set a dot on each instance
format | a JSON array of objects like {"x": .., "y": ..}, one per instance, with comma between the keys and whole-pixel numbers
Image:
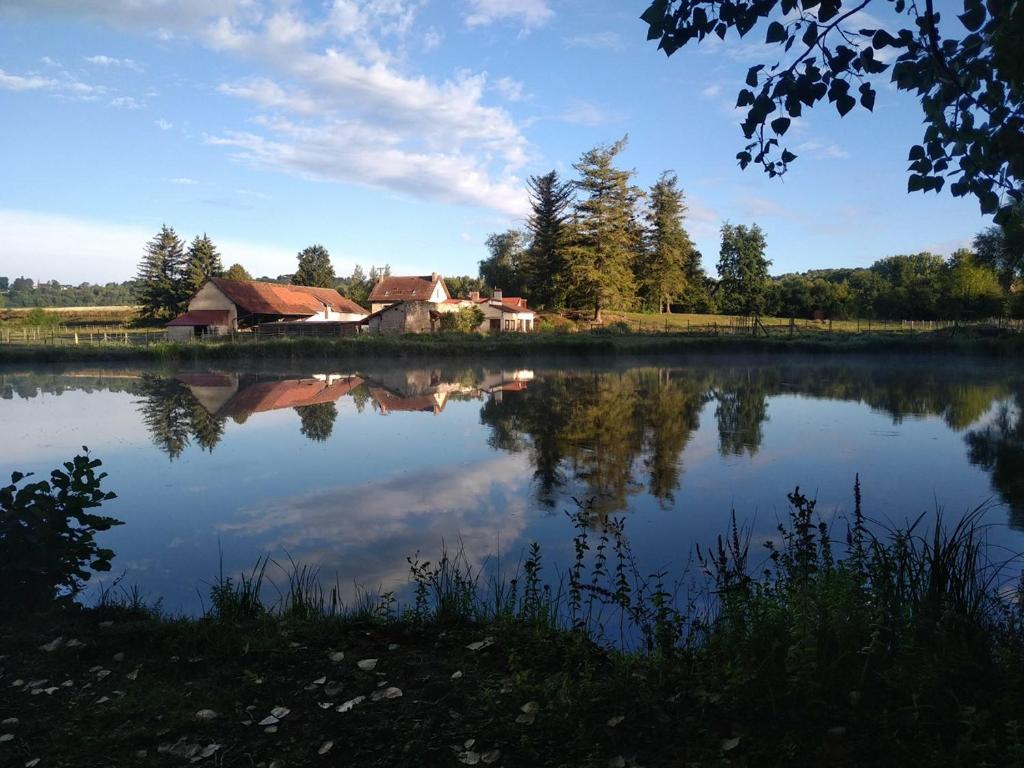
[
  {"x": 201, "y": 263},
  {"x": 40, "y": 318},
  {"x": 315, "y": 268},
  {"x": 461, "y": 286},
  {"x": 317, "y": 420},
  {"x": 971, "y": 87},
  {"x": 743, "y": 270},
  {"x": 544, "y": 260},
  {"x": 47, "y": 535},
  {"x": 1001, "y": 248},
  {"x": 465, "y": 320},
  {"x": 503, "y": 269},
  {"x": 669, "y": 262},
  {"x": 603, "y": 241},
  {"x": 158, "y": 284},
  {"x": 22, "y": 292},
  {"x": 237, "y": 272}
]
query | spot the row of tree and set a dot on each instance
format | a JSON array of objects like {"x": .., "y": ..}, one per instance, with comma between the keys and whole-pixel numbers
[
  {"x": 25, "y": 292},
  {"x": 598, "y": 242}
]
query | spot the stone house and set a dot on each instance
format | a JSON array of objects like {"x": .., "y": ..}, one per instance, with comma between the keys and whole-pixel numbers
[
  {"x": 393, "y": 289},
  {"x": 403, "y": 317}
]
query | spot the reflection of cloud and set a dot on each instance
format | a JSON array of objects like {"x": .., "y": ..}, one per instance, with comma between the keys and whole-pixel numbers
[{"x": 364, "y": 533}]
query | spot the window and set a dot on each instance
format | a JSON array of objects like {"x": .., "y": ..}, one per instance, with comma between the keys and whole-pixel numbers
[{"x": 508, "y": 325}]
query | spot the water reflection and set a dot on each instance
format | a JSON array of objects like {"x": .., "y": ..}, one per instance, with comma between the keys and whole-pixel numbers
[{"x": 610, "y": 434}]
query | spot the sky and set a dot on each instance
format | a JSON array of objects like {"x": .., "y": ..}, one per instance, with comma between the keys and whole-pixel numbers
[{"x": 402, "y": 132}]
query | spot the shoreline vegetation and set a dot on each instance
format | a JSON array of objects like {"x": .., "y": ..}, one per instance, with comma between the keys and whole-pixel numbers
[
  {"x": 613, "y": 340},
  {"x": 841, "y": 644}
]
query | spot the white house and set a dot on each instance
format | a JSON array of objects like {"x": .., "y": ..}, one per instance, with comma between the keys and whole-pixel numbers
[{"x": 391, "y": 290}]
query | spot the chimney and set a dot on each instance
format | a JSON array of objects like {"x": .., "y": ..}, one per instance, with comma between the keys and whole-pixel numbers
[
  {"x": 474, "y": 296},
  {"x": 497, "y": 294},
  {"x": 434, "y": 277}
]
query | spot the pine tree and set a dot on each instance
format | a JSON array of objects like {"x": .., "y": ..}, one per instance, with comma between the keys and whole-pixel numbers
[
  {"x": 359, "y": 286},
  {"x": 201, "y": 263},
  {"x": 598, "y": 262},
  {"x": 544, "y": 261},
  {"x": 315, "y": 268},
  {"x": 237, "y": 272},
  {"x": 743, "y": 270},
  {"x": 157, "y": 285},
  {"x": 662, "y": 274}
]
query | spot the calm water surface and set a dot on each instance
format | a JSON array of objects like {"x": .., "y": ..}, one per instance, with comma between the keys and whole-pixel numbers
[{"x": 355, "y": 467}]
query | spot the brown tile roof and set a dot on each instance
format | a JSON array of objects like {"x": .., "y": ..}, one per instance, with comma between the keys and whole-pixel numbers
[
  {"x": 289, "y": 393},
  {"x": 389, "y": 401},
  {"x": 276, "y": 299},
  {"x": 416, "y": 288},
  {"x": 203, "y": 317}
]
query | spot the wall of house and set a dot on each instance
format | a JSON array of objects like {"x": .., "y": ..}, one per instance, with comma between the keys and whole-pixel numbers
[
  {"x": 407, "y": 317},
  {"x": 438, "y": 294},
  {"x": 180, "y": 333},
  {"x": 330, "y": 316},
  {"x": 210, "y": 297},
  {"x": 522, "y": 321}
]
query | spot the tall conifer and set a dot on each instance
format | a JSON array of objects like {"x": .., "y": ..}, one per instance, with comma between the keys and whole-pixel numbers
[
  {"x": 201, "y": 263},
  {"x": 315, "y": 268},
  {"x": 543, "y": 263},
  {"x": 160, "y": 271}
]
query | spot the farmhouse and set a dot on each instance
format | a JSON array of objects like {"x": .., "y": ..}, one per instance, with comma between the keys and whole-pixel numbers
[
  {"x": 424, "y": 288},
  {"x": 223, "y": 306},
  {"x": 501, "y": 313}
]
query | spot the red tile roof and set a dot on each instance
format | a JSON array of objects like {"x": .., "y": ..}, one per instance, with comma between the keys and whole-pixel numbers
[
  {"x": 203, "y": 317},
  {"x": 417, "y": 288},
  {"x": 289, "y": 393},
  {"x": 277, "y": 299}
]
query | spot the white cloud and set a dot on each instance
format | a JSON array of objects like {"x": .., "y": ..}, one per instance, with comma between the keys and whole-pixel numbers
[
  {"x": 110, "y": 61},
  {"x": 75, "y": 249},
  {"x": 711, "y": 91},
  {"x": 581, "y": 112},
  {"x": 432, "y": 39},
  {"x": 509, "y": 89},
  {"x": 529, "y": 13},
  {"x": 335, "y": 98},
  {"x": 821, "y": 150},
  {"x": 11, "y": 82},
  {"x": 611, "y": 41},
  {"x": 183, "y": 181},
  {"x": 125, "y": 102},
  {"x": 163, "y": 125}
]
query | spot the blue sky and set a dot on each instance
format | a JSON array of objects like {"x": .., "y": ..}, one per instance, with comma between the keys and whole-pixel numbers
[{"x": 401, "y": 132}]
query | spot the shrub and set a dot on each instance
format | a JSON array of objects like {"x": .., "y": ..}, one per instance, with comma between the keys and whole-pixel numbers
[
  {"x": 47, "y": 535},
  {"x": 38, "y": 317},
  {"x": 466, "y": 320}
]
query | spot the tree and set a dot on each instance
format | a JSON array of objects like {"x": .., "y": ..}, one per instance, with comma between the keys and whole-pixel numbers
[
  {"x": 463, "y": 285},
  {"x": 544, "y": 261},
  {"x": 159, "y": 276},
  {"x": 503, "y": 268},
  {"x": 359, "y": 286},
  {"x": 1002, "y": 247},
  {"x": 743, "y": 270},
  {"x": 971, "y": 290},
  {"x": 201, "y": 263},
  {"x": 315, "y": 268},
  {"x": 971, "y": 88},
  {"x": 598, "y": 262},
  {"x": 237, "y": 272},
  {"x": 662, "y": 270}
]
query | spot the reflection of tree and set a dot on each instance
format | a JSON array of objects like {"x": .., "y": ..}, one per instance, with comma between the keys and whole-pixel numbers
[
  {"x": 595, "y": 429},
  {"x": 166, "y": 407},
  {"x": 174, "y": 417},
  {"x": 740, "y": 411},
  {"x": 360, "y": 397},
  {"x": 317, "y": 420},
  {"x": 998, "y": 448}
]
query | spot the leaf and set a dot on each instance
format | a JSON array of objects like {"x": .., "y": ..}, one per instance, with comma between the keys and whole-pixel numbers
[
  {"x": 752, "y": 75},
  {"x": 787, "y": 156},
  {"x": 867, "y": 97},
  {"x": 974, "y": 16},
  {"x": 780, "y": 125},
  {"x": 845, "y": 103},
  {"x": 745, "y": 98},
  {"x": 776, "y": 33},
  {"x": 915, "y": 183}
]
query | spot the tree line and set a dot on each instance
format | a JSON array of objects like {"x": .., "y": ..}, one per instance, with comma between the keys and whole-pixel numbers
[{"x": 598, "y": 242}]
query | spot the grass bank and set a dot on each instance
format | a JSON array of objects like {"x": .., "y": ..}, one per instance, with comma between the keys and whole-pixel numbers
[
  {"x": 903, "y": 649},
  {"x": 521, "y": 346}
]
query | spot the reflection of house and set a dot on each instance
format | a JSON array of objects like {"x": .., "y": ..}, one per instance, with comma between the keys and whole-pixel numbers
[
  {"x": 225, "y": 395},
  {"x": 391, "y": 290},
  {"x": 501, "y": 313},
  {"x": 222, "y": 306},
  {"x": 388, "y": 401}
]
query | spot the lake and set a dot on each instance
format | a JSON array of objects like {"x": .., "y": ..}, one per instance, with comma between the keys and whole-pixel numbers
[{"x": 353, "y": 467}]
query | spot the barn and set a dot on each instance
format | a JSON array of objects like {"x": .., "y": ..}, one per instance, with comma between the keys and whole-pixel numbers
[{"x": 223, "y": 306}]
